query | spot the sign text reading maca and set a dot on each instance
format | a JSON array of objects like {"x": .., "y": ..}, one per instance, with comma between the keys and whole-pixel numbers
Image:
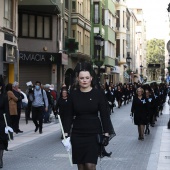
[{"x": 32, "y": 57}]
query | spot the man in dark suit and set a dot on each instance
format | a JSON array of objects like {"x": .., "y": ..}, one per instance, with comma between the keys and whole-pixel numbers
[{"x": 20, "y": 96}]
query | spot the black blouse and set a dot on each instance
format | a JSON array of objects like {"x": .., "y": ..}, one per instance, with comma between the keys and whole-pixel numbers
[{"x": 85, "y": 107}]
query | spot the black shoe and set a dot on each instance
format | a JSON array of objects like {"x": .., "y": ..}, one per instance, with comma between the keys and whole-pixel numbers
[
  {"x": 106, "y": 154},
  {"x": 16, "y": 132},
  {"x": 142, "y": 138},
  {"x": 148, "y": 131},
  {"x": 20, "y": 131},
  {"x": 36, "y": 128},
  {"x": 40, "y": 132}
]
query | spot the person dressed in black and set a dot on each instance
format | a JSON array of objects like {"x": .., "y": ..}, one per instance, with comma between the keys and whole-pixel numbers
[
  {"x": 119, "y": 95},
  {"x": 139, "y": 111},
  {"x": 150, "y": 107},
  {"x": 20, "y": 96},
  {"x": 84, "y": 104},
  {"x": 62, "y": 104},
  {"x": 3, "y": 135}
]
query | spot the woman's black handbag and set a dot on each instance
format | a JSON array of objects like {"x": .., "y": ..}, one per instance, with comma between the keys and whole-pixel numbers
[{"x": 102, "y": 139}]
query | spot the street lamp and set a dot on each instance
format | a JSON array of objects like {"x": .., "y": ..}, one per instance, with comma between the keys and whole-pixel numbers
[
  {"x": 99, "y": 42},
  {"x": 128, "y": 60}
]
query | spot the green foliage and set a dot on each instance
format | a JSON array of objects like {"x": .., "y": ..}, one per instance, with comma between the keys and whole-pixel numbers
[{"x": 155, "y": 51}]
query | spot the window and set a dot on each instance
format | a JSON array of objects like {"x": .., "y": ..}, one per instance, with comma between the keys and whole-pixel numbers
[
  {"x": 35, "y": 26},
  {"x": 73, "y": 6},
  {"x": 8, "y": 13},
  {"x": 66, "y": 4},
  {"x": 74, "y": 34},
  {"x": 66, "y": 29},
  {"x": 118, "y": 19},
  {"x": 96, "y": 13}
]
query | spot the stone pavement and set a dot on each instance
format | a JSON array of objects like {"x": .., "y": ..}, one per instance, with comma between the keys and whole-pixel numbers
[{"x": 32, "y": 151}]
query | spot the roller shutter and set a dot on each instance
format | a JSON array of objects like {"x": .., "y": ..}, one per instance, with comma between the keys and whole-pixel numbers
[{"x": 34, "y": 73}]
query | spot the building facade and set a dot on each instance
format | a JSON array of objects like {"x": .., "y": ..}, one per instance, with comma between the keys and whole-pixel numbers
[
  {"x": 9, "y": 57},
  {"x": 121, "y": 35},
  {"x": 103, "y": 20},
  {"x": 40, "y": 42}
]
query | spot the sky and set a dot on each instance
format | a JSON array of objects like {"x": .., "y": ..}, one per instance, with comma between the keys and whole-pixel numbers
[{"x": 156, "y": 16}]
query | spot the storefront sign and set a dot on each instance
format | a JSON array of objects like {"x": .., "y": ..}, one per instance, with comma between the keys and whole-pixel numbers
[
  {"x": 40, "y": 57},
  {"x": 64, "y": 59},
  {"x": 116, "y": 69}
]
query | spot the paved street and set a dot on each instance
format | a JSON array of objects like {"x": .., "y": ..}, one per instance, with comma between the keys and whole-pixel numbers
[{"x": 32, "y": 151}]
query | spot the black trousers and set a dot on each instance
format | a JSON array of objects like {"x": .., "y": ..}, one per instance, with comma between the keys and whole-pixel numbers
[
  {"x": 14, "y": 120},
  {"x": 37, "y": 116},
  {"x": 18, "y": 117},
  {"x": 28, "y": 109}
]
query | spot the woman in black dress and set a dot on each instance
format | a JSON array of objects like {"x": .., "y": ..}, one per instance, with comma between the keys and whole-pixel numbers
[
  {"x": 139, "y": 111},
  {"x": 84, "y": 104},
  {"x": 62, "y": 104},
  {"x": 3, "y": 135},
  {"x": 119, "y": 95}
]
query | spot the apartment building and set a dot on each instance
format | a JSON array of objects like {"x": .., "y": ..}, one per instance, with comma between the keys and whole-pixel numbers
[
  {"x": 140, "y": 62},
  {"x": 9, "y": 57},
  {"x": 40, "y": 44},
  {"x": 121, "y": 36}
]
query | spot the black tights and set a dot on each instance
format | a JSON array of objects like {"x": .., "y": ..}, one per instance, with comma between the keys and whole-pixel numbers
[{"x": 87, "y": 166}]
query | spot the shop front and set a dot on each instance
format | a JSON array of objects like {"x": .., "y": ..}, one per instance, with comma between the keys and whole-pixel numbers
[{"x": 39, "y": 66}]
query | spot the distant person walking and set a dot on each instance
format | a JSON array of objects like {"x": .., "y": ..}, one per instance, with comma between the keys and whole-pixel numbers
[
  {"x": 12, "y": 107},
  {"x": 20, "y": 96},
  {"x": 39, "y": 103},
  {"x": 139, "y": 111},
  {"x": 3, "y": 135}
]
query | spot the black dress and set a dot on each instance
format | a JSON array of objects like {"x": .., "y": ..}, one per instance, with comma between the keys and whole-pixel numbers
[
  {"x": 84, "y": 106},
  {"x": 62, "y": 105},
  {"x": 3, "y": 135},
  {"x": 139, "y": 110}
]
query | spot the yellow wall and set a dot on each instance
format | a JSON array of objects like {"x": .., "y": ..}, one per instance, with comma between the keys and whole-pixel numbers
[{"x": 11, "y": 73}]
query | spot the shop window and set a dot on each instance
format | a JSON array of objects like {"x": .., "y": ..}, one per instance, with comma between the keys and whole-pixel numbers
[
  {"x": 35, "y": 26},
  {"x": 8, "y": 13},
  {"x": 74, "y": 34}
]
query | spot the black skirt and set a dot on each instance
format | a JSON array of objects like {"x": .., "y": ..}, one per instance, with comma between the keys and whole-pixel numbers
[{"x": 85, "y": 148}]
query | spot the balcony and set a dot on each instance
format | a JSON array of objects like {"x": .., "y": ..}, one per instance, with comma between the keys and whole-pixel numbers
[{"x": 41, "y": 6}]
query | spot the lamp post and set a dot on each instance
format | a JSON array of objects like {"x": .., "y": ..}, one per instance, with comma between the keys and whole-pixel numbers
[
  {"x": 128, "y": 60},
  {"x": 99, "y": 42},
  {"x": 141, "y": 75}
]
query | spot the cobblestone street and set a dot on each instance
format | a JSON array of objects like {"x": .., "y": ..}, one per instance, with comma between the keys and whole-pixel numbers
[{"x": 32, "y": 151}]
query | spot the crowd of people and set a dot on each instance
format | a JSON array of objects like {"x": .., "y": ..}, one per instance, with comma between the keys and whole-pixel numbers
[{"x": 84, "y": 108}]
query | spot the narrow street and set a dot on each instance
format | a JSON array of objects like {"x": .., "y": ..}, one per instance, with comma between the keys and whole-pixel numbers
[{"x": 32, "y": 151}]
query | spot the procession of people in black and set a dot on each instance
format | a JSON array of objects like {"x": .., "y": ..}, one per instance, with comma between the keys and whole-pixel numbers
[{"x": 147, "y": 104}]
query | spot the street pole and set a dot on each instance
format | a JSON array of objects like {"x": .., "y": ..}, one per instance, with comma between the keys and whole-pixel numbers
[{"x": 129, "y": 73}]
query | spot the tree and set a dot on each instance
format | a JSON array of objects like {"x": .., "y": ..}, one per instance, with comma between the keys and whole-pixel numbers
[{"x": 155, "y": 51}]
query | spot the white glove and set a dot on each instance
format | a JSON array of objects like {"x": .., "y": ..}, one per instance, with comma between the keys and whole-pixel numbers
[
  {"x": 8, "y": 129},
  {"x": 66, "y": 143},
  {"x": 110, "y": 103}
]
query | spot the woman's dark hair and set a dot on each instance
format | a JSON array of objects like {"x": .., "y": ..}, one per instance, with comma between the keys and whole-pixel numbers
[{"x": 8, "y": 87}]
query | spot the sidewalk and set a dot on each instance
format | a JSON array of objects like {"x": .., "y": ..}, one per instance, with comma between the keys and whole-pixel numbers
[
  {"x": 28, "y": 134},
  {"x": 160, "y": 157}
]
